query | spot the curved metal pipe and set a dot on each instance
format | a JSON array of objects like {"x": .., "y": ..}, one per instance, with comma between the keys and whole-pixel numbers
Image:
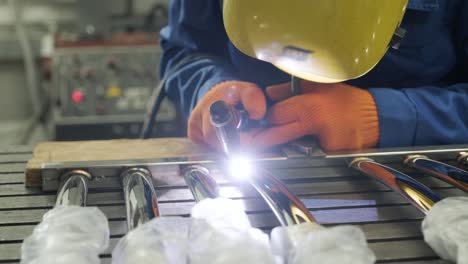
[
  {"x": 288, "y": 209},
  {"x": 200, "y": 182},
  {"x": 73, "y": 188},
  {"x": 415, "y": 192},
  {"x": 140, "y": 197},
  {"x": 450, "y": 174}
]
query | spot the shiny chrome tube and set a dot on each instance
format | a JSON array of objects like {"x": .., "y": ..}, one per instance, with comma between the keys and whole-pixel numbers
[
  {"x": 73, "y": 188},
  {"x": 200, "y": 182},
  {"x": 463, "y": 158},
  {"x": 226, "y": 121},
  {"x": 140, "y": 197},
  {"x": 450, "y": 174},
  {"x": 415, "y": 192},
  {"x": 288, "y": 209}
]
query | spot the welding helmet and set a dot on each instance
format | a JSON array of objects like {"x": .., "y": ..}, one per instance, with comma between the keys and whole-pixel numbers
[{"x": 318, "y": 40}]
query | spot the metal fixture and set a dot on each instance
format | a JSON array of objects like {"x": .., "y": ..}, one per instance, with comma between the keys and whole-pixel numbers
[
  {"x": 200, "y": 182},
  {"x": 288, "y": 209},
  {"x": 73, "y": 189},
  {"x": 415, "y": 192},
  {"x": 140, "y": 197},
  {"x": 51, "y": 171}
]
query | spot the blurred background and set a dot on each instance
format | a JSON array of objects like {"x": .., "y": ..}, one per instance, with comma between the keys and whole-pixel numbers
[{"x": 80, "y": 69}]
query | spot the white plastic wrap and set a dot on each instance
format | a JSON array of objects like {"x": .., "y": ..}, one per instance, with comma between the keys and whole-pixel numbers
[
  {"x": 222, "y": 212},
  {"x": 210, "y": 236},
  {"x": 445, "y": 229},
  {"x": 162, "y": 240},
  {"x": 220, "y": 232},
  {"x": 311, "y": 243},
  {"x": 226, "y": 236},
  {"x": 68, "y": 234}
]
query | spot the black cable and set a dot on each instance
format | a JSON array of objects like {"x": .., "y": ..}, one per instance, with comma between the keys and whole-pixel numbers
[
  {"x": 153, "y": 107},
  {"x": 159, "y": 94}
]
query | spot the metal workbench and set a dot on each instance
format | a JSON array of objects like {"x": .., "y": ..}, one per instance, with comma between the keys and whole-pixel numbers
[{"x": 334, "y": 194}]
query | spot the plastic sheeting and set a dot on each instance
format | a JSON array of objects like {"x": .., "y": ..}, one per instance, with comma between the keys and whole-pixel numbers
[
  {"x": 219, "y": 232},
  {"x": 312, "y": 243},
  {"x": 68, "y": 234},
  {"x": 445, "y": 229}
]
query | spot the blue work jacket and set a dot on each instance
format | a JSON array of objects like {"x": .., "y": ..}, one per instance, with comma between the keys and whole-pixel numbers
[{"x": 420, "y": 89}]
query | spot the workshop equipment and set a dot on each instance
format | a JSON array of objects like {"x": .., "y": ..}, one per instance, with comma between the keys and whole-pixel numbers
[
  {"x": 448, "y": 173},
  {"x": 102, "y": 86},
  {"x": 334, "y": 193}
]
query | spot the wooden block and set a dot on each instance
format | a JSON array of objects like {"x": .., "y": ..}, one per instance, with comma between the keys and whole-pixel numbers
[{"x": 102, "y": 150}]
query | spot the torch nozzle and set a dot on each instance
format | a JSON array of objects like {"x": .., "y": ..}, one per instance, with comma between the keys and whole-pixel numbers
[{"x": 225, "y": 120}]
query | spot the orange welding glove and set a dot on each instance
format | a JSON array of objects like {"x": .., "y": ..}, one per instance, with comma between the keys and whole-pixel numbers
[
  {"x": 249, "y": 95},
  {"x": 341, "y": 116}
]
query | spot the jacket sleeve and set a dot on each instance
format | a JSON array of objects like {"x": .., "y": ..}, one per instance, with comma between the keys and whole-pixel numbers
[
  {"x": 429, "y": 115},
  {"x": 196, "y": 43}
]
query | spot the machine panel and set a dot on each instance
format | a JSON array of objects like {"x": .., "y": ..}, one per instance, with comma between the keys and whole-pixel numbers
[
  {"x": 105, "y": 80},
  {"x": 102, "y": 89}
]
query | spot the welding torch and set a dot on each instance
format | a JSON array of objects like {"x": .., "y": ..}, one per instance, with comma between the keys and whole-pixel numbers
[{"x": 228, "y": 122}]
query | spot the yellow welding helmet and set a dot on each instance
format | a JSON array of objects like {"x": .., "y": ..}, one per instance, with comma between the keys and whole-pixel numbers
[{"x": 317, "y": 40}]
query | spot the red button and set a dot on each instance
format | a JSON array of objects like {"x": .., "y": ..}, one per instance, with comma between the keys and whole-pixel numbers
[{"x": 78, "y": 96}]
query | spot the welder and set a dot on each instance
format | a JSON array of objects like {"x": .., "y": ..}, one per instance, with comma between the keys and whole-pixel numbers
[{"x": 387, "y": 73}]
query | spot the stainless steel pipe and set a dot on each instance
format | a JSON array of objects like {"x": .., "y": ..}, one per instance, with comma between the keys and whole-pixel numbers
[
  {"x": 288, "y": 209},
  {"x": 415, "y": 192},
  {"x": 450, "y": 174},
  {"x": 140, "y": 197},
  {"x": 200, "y": 182},
  {"x": 73, "y": 189}
]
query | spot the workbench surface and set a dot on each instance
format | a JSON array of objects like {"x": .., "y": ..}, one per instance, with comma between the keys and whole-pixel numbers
[{"x": 335, "y": 195}]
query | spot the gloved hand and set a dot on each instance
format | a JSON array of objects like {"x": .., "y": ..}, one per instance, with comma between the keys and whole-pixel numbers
[
  {"x": 249, "y": 95},
  {"x": 341, "y": 116}
]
